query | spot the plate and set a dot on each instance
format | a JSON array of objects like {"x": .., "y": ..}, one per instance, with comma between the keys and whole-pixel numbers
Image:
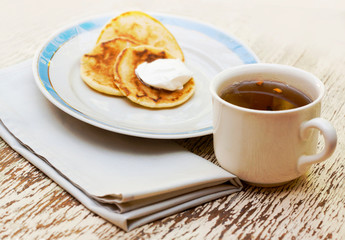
[{"x": 207, "y": 51}]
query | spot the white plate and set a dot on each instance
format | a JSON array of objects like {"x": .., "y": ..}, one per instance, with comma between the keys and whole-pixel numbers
[{"x": 207, "y": 51}]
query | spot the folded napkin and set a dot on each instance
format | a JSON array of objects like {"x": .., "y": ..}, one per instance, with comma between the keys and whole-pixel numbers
[{"x": 127, "y": 180}]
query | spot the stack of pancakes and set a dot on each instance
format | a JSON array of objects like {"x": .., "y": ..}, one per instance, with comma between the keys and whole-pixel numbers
[{"x": 125, "y": 42}]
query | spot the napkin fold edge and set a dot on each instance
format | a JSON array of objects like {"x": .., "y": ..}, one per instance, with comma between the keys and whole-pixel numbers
[{"x": 126, "y": 224}]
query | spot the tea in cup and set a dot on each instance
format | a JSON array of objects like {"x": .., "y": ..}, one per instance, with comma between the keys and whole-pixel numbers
[{"x": 266, "y": 120}]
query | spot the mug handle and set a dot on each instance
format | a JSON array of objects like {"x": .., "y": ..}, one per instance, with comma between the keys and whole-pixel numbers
[{"x": 330, "y": 137}]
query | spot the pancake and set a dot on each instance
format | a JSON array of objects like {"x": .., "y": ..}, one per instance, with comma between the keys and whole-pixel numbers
[
  {"x": 97, "y": 66},
  {"x": 135, "y": 90},
  {"x": 141, "y": 28}
]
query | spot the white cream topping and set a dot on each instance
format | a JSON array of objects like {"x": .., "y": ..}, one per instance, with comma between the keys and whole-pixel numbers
[{"x": 169, "y": 74}]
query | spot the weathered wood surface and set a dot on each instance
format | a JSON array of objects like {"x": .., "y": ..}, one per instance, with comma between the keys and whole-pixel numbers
[{"x": 305, "y": 34}]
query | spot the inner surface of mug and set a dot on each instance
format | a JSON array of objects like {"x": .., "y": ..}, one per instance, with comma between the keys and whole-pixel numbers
[{"x": 294, "y": 77}]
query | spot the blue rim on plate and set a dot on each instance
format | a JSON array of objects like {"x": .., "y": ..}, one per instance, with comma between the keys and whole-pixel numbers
[{"x": 46, "y": 53}]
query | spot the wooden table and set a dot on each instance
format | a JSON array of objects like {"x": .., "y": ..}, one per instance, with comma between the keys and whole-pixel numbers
[{"x": 306, "y": 34}]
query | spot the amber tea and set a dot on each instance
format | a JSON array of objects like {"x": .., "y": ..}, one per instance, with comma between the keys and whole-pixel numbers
[{"x": 264, "y": 95}]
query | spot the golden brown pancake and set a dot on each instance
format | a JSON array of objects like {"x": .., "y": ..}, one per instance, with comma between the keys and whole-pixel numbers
[
  {"x": 141, "y": 28},
  {"x": 135, "y": 90},
  {"x": 97, "y": 66}
]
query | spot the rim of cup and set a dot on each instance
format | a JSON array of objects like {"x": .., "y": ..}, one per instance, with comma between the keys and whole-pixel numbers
[{"x": 261, "y": 69}]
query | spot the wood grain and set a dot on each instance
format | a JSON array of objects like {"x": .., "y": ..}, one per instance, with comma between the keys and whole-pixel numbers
[{"x": 311, "y": 207}]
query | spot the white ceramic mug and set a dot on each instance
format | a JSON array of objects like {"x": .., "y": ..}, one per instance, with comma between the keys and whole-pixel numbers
[{"x": 269, "y": 148}]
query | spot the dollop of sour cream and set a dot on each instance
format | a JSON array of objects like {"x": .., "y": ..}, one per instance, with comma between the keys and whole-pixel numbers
[{"x": 169, "y": 74}]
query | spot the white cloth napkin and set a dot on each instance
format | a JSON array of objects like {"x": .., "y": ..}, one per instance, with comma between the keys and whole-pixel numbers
[{"x": 127, "y": 180}]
